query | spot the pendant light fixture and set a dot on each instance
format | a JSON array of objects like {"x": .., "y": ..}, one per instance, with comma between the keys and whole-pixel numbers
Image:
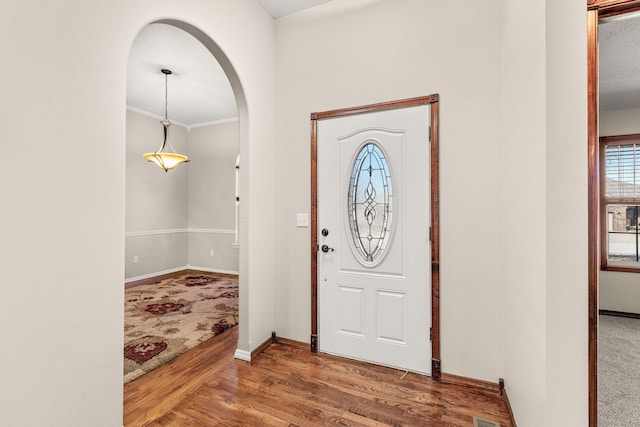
[{"x": 165, "y": 159}]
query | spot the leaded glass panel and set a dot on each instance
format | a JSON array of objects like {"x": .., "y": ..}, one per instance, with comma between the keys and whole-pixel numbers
[{"x": 370, "y": 203}]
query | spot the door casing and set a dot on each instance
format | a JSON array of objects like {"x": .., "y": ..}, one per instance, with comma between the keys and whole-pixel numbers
[
  {"x": 596, "y": 9},
  {"x": 433, "y": 101}
]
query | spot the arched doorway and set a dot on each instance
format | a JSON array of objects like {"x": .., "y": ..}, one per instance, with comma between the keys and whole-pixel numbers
[{"x": 177, "y": 237}]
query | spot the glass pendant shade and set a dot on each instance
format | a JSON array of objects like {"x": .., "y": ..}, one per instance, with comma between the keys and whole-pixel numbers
[{"x": 164, "y": 159}]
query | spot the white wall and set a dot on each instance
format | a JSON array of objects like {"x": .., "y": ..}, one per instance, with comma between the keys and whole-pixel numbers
[
  {"x": 545, "y": 192},
  {"x": 392, "y": 50},
  {"x": 63, "y": 194},
  {"x": 620, "y": 291}
]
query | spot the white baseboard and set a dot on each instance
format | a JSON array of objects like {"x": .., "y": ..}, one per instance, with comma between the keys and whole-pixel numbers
[
  {"x": 157, "y": 273},
  {"x": 212, "y": 270},
  {"x": 243, "y": 355},
  {"x": 173, "y": 270}
]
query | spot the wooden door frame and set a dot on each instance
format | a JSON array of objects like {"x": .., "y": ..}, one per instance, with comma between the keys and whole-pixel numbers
[
  {"x": 596, "y": 9},
  {"x": 433, "y": 101}
]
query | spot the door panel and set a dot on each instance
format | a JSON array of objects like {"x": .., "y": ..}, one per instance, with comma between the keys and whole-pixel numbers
[
  {"x": 392, "y": 317},
  {"x": 374, "y": 269},
  {"x": 351, "y": 311}
]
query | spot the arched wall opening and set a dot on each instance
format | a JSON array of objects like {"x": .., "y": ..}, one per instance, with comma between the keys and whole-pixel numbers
[
  {"x": 64, "y": 239},
  {"x": 238, "y": 91}
]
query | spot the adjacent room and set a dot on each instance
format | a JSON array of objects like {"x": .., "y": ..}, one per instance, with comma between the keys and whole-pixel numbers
[
  {"x": 181, "y": 238},
  {"x": 619, "y": 323}
]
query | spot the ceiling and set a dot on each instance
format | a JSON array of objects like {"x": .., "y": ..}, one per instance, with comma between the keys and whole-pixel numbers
[
  {"x": 279, "y": 8},
  {"x": 619, "y": 62},
  {"x": 199, "y": 91}
]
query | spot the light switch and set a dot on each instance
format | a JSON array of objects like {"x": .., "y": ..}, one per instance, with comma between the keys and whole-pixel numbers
[{"x": 302, "y": 220}]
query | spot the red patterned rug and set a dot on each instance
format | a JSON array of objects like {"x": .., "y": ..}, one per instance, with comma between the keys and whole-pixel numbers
[{"x": 166, "y": 318}]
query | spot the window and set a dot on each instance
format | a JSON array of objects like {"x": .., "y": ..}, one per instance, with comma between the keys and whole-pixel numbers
[
  {"x": 620, "y": 202},
  {"x": 236, "y": 243},
  {"x": 369, "y": 203}
]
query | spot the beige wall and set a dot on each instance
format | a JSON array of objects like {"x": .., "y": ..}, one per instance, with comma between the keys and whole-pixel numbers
[
  {"x": 212, "y": 200},
  {"x": 566, "y": 327},
  {"x": 175, "y": 219},
  {"x": 523, "y": 246},
  {"x": 63, "y": 198},
  {"x": 545, "y": 223},
  {"x": 386, "y": 51},
  {"x": 505, "y": 70},
  {"x": 512, "y": 79},
  {"x": 620, "y": 122},
  {"x": 156, "y": 204},
  {"x": 620, "y": 291}
]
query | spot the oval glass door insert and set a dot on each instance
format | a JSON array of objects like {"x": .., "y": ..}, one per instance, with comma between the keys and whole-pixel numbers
[{"x": 370, "y": 204}]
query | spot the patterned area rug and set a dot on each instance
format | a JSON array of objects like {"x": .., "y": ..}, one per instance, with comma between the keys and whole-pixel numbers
[{"x": 171, "y": 316}]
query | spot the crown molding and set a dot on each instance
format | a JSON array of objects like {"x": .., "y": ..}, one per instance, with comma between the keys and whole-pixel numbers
[
  {"x": 188, "y": 127},
  {"x": 215, "y": 122},
  {"x": 155, "y": 116}
]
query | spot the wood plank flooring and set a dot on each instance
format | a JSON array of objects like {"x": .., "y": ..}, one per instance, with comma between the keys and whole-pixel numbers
[{"x": 289, "y": 386}]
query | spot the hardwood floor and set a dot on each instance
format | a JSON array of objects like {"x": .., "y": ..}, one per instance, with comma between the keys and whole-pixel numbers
[{"x": 289, "y": 386}]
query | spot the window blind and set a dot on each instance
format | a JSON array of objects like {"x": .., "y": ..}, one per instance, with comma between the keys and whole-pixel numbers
[{"x": 622, "y": 164}]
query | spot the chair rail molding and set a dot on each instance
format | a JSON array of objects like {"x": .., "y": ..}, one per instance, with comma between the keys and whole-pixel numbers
[{"x": 178, "y": 230}]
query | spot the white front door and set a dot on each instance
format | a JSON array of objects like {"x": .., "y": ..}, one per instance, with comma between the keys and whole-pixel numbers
[{"x": 374, "y": 262}]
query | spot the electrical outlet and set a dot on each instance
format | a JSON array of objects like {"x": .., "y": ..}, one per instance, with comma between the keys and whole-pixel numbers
[
  {"x": 210, "y": 252},
  {"x": 135, "y": 259}
]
